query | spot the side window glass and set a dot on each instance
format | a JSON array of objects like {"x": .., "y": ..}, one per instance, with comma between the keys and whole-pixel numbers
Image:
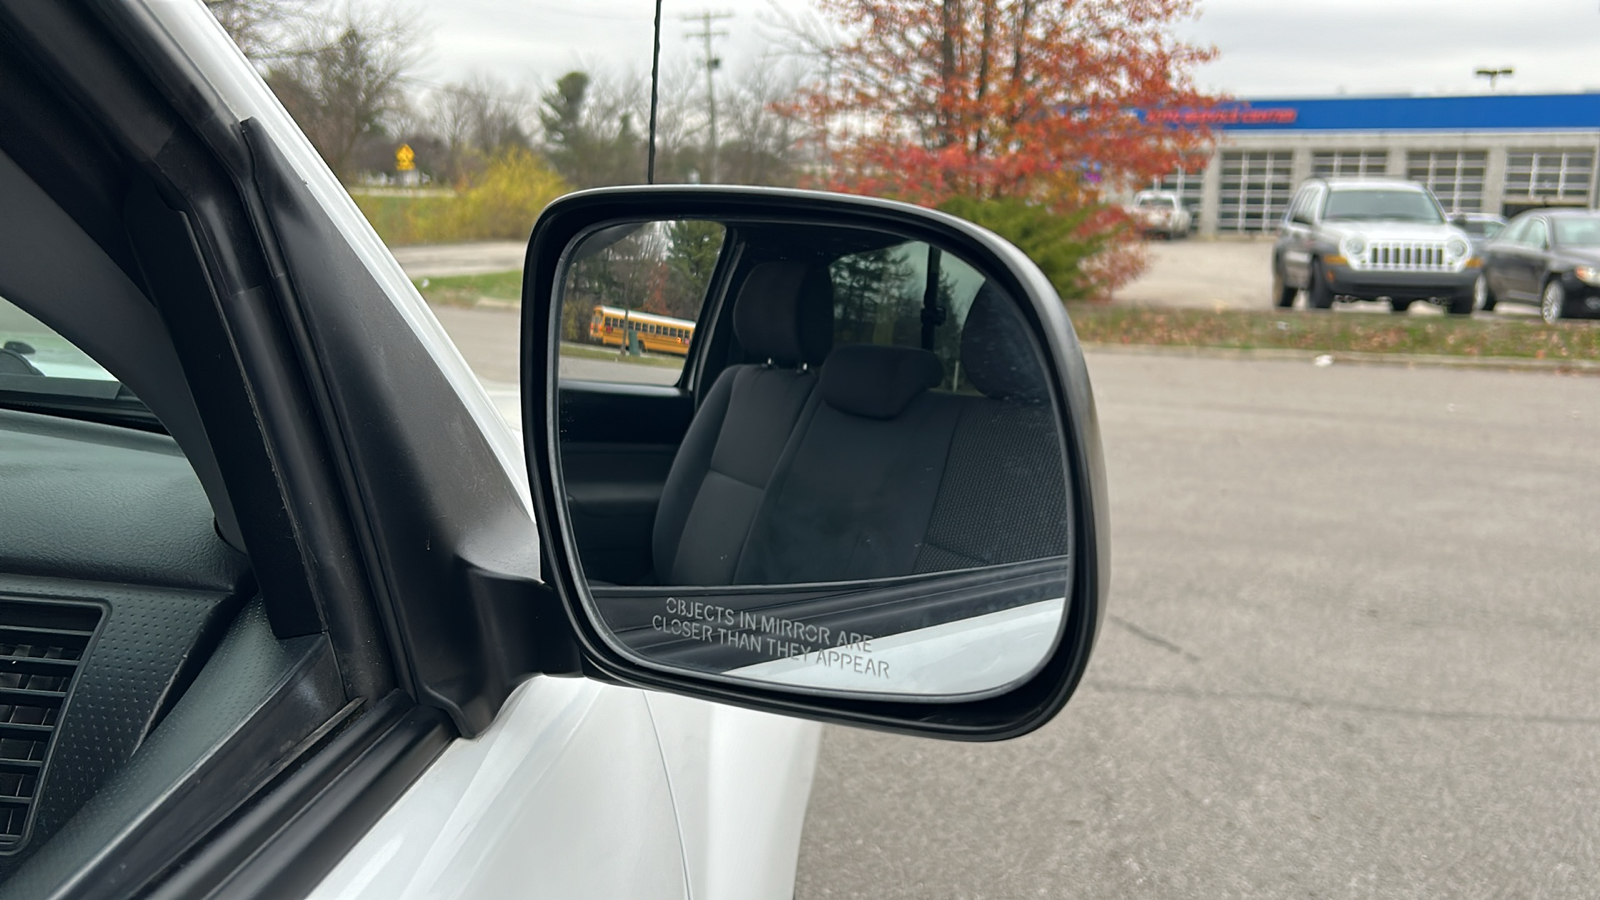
[
  {"x": 29, "y": 347},
  {"x": 1299, "y": 209},
  {"x": 1536, "y": 235},
  {"x": 1516, "y": 232},
  {"x": 631, "y": 299},
  {"x": 885, "y": 296}
]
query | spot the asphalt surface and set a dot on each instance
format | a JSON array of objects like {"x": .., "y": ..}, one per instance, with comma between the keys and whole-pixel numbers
[
  {"x": 1203, "y": 274},
  {"x": 1350, "y": 653},
  {"x": 472, "y": 258},
  {"x": 1235, "y": 273}
]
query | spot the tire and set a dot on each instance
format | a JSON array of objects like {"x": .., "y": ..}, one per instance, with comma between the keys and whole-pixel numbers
[
  {"x": 1318, "y": 294},
  {"x": 1282, "y": 294},
  {"x": 1400, "y": 307},
  {"x": 1482, "y": 296},
  {"x": 1460, "y": 305},
  {"x": 1552, "y": 301}
]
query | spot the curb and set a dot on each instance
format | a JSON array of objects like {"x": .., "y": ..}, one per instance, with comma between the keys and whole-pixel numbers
[{"x": 1405, "y": 360}]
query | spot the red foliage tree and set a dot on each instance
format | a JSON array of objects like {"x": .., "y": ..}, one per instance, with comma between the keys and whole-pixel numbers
[
  {"x": 1035, "y": 99},
  {"x": 1004, "y": 98}
]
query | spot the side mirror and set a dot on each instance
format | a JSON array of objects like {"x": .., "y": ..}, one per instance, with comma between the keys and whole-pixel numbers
[
  {"x": 1459, "y": 222},
  {"x": 874, "y": 493}
]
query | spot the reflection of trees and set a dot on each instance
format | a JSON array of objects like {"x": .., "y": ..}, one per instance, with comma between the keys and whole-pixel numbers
[
  {"x": 877, "y": 297},
  {"x": 693, "y": 248},
  {"x": 662, "y": 268}
]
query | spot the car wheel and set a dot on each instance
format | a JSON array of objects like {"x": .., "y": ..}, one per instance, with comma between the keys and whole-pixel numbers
[
  {"x": 1553, "y": 302},
  {"x": 1482, "y": 297},
  {"x": 1282, "y": 294},
  {"x": 1399, "y": 307},
  {"x": 1318, "y": 294}
]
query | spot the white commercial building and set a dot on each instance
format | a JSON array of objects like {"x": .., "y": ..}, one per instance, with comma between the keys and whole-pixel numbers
[{"x": 1501, "y": 153}]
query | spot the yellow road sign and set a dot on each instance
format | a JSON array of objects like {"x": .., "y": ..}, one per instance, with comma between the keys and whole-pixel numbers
[{"x": 405, "y": 159}]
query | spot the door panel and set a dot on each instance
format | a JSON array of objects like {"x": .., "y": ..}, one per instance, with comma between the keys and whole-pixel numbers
[
  {"x": 1528, "y": 264},
  {"x": 565, "y": 795},
  {"x": 617, "y": 445}
]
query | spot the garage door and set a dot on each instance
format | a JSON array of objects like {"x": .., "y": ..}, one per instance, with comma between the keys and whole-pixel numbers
[
  {"x": 1550, "y": 176},
  {"x": 1349, "y": 163},
  {"x": 1454, "y": 176},
  {"x": 1256, "y": 186}
]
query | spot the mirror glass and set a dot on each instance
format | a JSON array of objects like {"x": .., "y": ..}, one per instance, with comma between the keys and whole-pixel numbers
[{"x": 821, "y": 457}]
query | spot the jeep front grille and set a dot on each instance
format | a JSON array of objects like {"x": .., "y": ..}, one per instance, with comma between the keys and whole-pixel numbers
[{"x": 1407, "y": 256}]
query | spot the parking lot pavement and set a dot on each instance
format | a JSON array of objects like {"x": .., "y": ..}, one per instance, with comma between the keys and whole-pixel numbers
[
  {"x": 472, "y": 258},
  {"x": 1350, "y": 652},
  {"x": 1204, "y": 274},
  {"x": 1234, "y": 273}
]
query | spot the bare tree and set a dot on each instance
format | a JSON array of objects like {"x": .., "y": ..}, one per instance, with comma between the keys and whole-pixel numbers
[
  {"x": 476, "y": 119},
  {"x": 763, "y": 145},
  {"x": 348, "y": 81},
  {"x": 263, "y": 29}
]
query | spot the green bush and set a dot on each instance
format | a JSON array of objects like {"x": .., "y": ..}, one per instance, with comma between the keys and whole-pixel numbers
[
  {"x": 1062, "y": 245},
  {"x": 501, "y": 203}
]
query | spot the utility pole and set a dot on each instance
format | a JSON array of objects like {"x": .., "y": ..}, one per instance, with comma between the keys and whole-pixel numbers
[
  {"x": 712, "y": 62},
  {"x": 1494, "y": 74}
]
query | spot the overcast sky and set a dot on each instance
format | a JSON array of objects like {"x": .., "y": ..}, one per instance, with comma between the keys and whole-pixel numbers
[{"x": 1269, "y": 48}]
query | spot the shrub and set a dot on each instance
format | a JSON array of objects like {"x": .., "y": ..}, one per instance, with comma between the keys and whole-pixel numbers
[
  {"x": 1080, "y": 251},
  {"x": 500, "y": 203}
]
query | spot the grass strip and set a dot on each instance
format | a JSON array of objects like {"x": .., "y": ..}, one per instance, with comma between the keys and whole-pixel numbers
[
  {"x": 469, "y": 290},
  {"x": 1519, "y": 337},
  {"x": 1525, "y": 337},
  {"x": 609, "y": 355}
]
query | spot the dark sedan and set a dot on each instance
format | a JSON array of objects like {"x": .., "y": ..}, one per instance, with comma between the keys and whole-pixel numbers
[{"x": 1546, "y": 257}]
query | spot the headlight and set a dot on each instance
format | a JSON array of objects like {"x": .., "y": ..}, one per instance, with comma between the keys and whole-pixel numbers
[
  {"x": 1354, "y": 245},
  {"x": 1588, "y": 275},
  {"x": 1457, "y": 248}
]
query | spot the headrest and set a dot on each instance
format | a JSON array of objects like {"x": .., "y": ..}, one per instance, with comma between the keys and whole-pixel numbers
[
  {"x": 997, "y": 355},
  {"x": 14, "y": 363},
  {"x": 878, "y": 382},
  {"x": 784, "y": 313}
]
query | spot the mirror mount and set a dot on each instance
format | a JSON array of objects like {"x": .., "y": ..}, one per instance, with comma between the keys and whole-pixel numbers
[{"x": 1020, "y": 708}]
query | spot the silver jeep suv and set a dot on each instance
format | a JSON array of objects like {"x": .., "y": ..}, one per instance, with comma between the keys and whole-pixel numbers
[{"x": 1371, "y": 239}]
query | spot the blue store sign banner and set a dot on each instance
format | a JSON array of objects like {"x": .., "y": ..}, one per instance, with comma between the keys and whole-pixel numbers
[{"x": 1494, "y": 112}]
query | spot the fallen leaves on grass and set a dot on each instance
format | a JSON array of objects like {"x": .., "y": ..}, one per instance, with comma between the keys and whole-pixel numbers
[{"x": 1342, "y": 331}]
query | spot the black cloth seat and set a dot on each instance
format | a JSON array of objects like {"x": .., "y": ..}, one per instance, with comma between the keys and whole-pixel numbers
[
  {"x": 1003, "y": 497},
  {"x": 855, "y": 489},
  {"x": 784, "y": 314},
  {"x": 886, "y": 477}
]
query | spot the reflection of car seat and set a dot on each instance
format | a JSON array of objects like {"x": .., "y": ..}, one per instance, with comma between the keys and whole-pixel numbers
[
  {"x": 14, "y": 363},
  {"x": 856, "y": 485},
  {"x": 884, "y": 477},
  {"x": 784, "y": 314},
  {"x": 1003, "y": 497}
]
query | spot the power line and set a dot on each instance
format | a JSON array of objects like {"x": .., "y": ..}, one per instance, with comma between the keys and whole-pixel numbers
[
  {"x": 712, "y": 62},
  {"x": 545, "y": 9}
]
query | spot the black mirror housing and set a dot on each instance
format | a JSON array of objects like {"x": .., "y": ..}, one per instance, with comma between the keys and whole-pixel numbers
[{"x": 1018, "y": 708}]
